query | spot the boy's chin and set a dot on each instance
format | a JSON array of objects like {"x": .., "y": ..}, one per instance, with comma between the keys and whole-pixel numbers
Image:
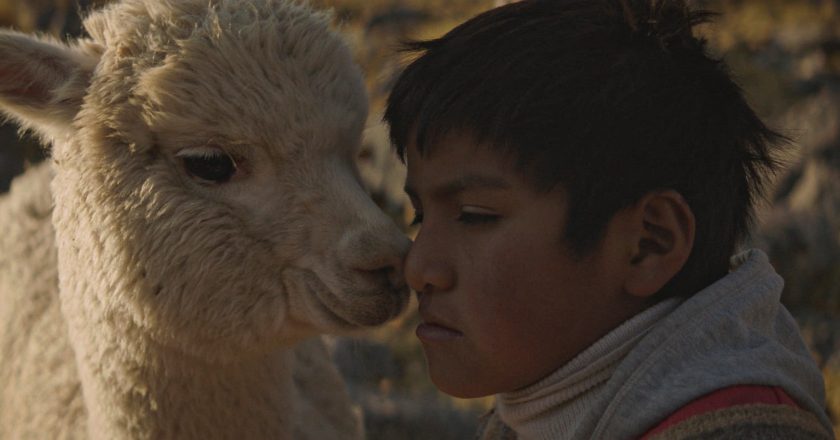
[
  {"x": 461, "y": 382},
  {"x": 461, "y": 390}
]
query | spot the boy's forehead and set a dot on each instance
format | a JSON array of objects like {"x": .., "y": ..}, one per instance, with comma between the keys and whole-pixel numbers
[
  {"x": 458, "y": 156},
  {"x": 456, "y": 163},
  {"x": 450, "y": 153},
  {"x": 452, "y": 146}
]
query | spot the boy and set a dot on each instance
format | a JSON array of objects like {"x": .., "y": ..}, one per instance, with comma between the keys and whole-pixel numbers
[{"x": 582, "y": 172}]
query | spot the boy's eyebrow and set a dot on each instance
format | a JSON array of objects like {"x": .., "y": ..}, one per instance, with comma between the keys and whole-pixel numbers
[{"x": 463, "y": 183}]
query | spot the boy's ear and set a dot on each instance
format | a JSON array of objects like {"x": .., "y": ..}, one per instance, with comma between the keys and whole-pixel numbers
[
  {"x": 663, "y": 238},
  {"x": 43, "y": 82}
]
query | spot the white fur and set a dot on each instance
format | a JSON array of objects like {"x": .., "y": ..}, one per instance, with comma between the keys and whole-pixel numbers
[{"x": 153, "y": 305}]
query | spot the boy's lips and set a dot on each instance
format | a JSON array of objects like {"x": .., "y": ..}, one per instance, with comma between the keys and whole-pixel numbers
[
  {"x": 432, "y": 328},
  {"x": 429, "y": 332}
]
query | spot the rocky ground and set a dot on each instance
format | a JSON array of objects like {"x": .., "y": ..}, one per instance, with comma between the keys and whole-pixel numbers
[{"x": 786, "y": 54}]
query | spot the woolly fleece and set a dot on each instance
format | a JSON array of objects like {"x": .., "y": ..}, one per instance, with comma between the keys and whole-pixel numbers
[{"x": 139, "y": 302}]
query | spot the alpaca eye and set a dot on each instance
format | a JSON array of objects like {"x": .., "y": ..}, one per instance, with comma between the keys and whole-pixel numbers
[{"x": 208, "y": 164}]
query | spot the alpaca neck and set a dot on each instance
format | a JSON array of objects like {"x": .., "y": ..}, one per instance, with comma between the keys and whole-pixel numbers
[
  {"x": 145, "y": 392},
  {"x": 134, "y": 385}
]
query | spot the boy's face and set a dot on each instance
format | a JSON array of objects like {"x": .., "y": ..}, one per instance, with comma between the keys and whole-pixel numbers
[{"x": 503, "y": 302}]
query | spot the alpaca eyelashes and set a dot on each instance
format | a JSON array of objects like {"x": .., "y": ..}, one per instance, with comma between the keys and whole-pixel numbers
[{"x": 209, "y": 165}]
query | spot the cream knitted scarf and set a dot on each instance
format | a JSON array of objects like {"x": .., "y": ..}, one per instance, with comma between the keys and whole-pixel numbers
[{"x": 551, "y": 408}]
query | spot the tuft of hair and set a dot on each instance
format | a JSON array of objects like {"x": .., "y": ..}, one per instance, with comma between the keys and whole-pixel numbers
[{"x": 611, "y": 99}]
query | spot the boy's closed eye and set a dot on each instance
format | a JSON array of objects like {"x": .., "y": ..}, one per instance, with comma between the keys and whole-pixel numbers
[
  {"x": 469, "y": 215},
  {"x": 473, "y": 215}
]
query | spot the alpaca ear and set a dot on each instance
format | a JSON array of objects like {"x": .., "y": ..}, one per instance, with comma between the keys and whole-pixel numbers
[{"x": 43, "y": 82}]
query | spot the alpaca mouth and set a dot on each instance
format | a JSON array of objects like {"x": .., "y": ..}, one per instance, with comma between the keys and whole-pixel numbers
[
  {"x": 345, "y": 308},
  {"x": 365, "y": 308}
]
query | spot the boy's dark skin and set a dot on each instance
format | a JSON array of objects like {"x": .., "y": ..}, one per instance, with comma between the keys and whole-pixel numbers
[{"x": 503, "y": 300}]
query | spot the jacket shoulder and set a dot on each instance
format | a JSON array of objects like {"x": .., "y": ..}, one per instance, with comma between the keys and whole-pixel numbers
[{"x": 754, "y": 421}]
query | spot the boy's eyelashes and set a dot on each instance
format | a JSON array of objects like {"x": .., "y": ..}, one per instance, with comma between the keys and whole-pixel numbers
[
  {"x": 466, "y": 216},
  {"x": 473, "y": 215},
  {"x": 476, "y": 218}
]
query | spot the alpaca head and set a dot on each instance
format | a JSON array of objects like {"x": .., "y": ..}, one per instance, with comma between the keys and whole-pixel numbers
[{"x": 205, "y": 184}]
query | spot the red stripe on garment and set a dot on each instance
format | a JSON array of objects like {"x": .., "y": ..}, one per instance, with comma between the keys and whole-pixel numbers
[{"x": 725, "y": 398}]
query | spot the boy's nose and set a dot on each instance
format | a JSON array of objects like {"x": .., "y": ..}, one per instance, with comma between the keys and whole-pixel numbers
[{"x": 426, "y": 268}]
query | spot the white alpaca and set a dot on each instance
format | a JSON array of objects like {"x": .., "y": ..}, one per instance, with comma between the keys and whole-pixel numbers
[{"x": 204, "y": 217}]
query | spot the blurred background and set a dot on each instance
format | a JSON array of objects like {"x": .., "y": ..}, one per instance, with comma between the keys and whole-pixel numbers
[{"x": 784, "y": 53}]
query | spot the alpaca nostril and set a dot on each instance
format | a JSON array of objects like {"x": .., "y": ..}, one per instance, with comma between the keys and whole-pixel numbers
[
  {"x": 389, "y": 277},
  {"x": 376, "y": 255},
  {"x": 368, "y": 254},
  {"x": 395, "y": 278}
]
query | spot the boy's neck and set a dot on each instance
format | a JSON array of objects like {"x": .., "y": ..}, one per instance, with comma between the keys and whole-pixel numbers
[{"x": 552, "y": 407}]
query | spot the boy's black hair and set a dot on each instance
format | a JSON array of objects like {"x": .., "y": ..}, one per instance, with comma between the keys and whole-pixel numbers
[{"x": 609, "y": 98}]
